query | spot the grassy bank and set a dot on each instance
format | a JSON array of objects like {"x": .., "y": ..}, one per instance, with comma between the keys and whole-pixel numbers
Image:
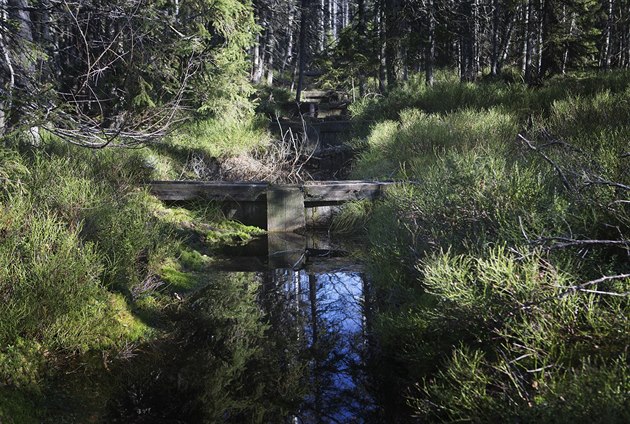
[
  {"x": 500, "y": 258},
  {"x": 91, "y": 263}
]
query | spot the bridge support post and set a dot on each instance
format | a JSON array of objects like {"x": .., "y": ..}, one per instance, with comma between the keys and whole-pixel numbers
[
  {"x": 286, "y": 250},
  {"x": 285, "y": 209}
]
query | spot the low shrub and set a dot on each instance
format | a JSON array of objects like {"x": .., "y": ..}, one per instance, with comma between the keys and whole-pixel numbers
[
  {"x": 407, "y": 148},
  {"x": 487, "y": 256},
  {"x": 448, "y": 95}
]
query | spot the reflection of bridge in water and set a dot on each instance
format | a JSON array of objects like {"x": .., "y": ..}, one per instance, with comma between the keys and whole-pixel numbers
[
  {"x": 313, "y": 252},
  {"x": 314, "y": 296}
]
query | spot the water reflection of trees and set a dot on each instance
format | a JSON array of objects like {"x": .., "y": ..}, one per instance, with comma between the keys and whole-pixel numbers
[
  {"x": 326, "y": 311},
  {"x": 281, "y": 346},
  {"x": 220, "y": 366}
]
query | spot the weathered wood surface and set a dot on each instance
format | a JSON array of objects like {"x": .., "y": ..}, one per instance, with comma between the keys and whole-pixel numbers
[
  {"x": 210, "y": 190},
  {"x": 335, "y": 192},
  {"x": 323, "y": 95},
  {"x": 285, "y": 209},
  {"x": 337, "y": 125},
  {"x": 317, "y": 193}
]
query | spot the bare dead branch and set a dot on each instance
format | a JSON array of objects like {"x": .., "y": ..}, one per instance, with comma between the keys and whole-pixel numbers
[
  {"x": 555, "y": 141},
  {"x": 531, "y": 146},
  {"x": 605, "y": 293},
  {"x": 582, "y": 287},
  {"x": 563, "y": 242},
  {"x": 600, "y": 181},
  {"x": 578, "y": 288}
]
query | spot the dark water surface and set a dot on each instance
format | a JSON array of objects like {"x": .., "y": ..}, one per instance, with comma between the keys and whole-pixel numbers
[{"x": 279, "y": 334}]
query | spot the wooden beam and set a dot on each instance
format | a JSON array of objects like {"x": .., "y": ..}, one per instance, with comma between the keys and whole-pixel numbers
[
  {"x": 213, "y": 190},
  {"x": 334, "y": 192},
  {"x": 285, "y": 209},
  {"x": 324, "y": 126},
  {"x": 316, "y": 193}
]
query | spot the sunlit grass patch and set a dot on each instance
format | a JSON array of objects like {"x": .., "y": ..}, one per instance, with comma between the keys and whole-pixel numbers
[
  {"x": 449, "y": 95},
  {"x": 218, "y": 137},
  {"x": 419, "y": 137},
  {"x": 178, "y": 279}
]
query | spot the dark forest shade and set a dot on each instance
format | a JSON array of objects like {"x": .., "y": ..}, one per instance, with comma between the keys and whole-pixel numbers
[{"x": 390, "y": 39}]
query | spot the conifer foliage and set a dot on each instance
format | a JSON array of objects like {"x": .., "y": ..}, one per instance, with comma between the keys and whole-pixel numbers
[
  {"x": 385, "y": 41},
  {"x": 98, "y": 72}
]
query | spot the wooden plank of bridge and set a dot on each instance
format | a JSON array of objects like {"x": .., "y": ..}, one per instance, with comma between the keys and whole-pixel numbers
[
  {"x": 285, "y": 209},
  {"x": 318, "y": 95},
  {"x": 332, "y": 192},
  {"x": 210, "y": 190},
  {"x": 336, "y": 125},
  {"x": 315, "y": 193}
]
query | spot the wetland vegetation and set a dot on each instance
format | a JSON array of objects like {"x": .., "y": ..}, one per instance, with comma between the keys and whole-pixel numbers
[{"x": 489, "y": 284}]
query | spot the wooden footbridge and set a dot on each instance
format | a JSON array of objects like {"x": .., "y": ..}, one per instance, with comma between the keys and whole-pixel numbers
[{"x": 276, "y": 207}]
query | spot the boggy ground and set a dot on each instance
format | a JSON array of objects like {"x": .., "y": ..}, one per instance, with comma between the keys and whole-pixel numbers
[{"x": 500, "y": 259}]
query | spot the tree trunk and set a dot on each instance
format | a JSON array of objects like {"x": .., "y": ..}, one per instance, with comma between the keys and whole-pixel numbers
[
  {"x": 302, "y": 42},
  {"x": 270, "y": 48},
  {"x": 476, "y": 51},
  {"x": 8, "y": 72},
  {"x": 494, "y": 58},
  {"x": 288, "y": 55},
  {"x": 334, "y": 22},
  {"x": 529, "y": 45},
  {"x": 392, "y": 45},
  {"x": 565, "y": 56},
  {"x": 321, "y": 14},
  {"x": 256, "y": 74},
  {"x": 506, "y": 42},
  {"x": 22, "y": 68},
  {"x": 327, "y": 23},
  {"x": 361, "y": 32},
  {"x": 382, "y": 77},
  {"x": 545, "y": 48},
  {"x": 467, "y": 40},
  {"x": 429, "y": 54},
  {"x": 605, "y": 62}
]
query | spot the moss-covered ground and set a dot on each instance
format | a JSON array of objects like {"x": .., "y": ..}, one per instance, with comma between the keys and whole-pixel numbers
[{"x": 90, "y": 262}]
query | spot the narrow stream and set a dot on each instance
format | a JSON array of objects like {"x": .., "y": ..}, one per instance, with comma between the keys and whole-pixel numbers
[
  {"x": 280, "y": 333},
  {"x": 329, "y": 313}
]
